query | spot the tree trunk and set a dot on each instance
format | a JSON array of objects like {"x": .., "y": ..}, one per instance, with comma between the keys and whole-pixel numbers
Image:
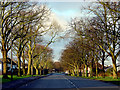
[
  {"x": 40, "y": 72},
  {"x": 73, "y": 73},
  {"x": 18, "y": 56},
  {"x": 77, "y": 70},
  {"x": 4, "y": 54},
  {"x": 23, "y": 63},
  {"x": 96, "y": 68},
  {"x": 29, "y": 62},
  {"x": 83, "y": 73},
  {"x": 91, "y": 68},
  {"x": 36, "y": 71},
  {"x": 114, "y": 69},
  {"x": 70, "y": 71},
  {"x": 113, "y": 53},
  {"x": 80, "y": 70},
  {"x": 31, "y": 69},
  {"x": 91, "y": 71},
  {"x": 86, "y": 71},
  {"x": 103, "y": 68}
]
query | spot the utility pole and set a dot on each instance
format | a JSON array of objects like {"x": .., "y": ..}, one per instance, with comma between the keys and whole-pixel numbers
[
  {"x": 11, "y": 48},
  {"x": 32, "y": 59}
]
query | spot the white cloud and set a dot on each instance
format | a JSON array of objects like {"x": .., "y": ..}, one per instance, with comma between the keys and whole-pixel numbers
[{"x": 59, "y": 20}]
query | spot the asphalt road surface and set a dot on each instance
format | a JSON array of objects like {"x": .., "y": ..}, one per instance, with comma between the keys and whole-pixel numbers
[{"x": 58, "y": 80}]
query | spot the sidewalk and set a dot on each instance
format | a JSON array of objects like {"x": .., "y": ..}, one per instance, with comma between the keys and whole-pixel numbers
[{"x": 19, "y": 82}]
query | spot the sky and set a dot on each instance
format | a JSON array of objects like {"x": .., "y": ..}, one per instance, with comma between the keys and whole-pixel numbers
[{"x": 64, "y": 11}]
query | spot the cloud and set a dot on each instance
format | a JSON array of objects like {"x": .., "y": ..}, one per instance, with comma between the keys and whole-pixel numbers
[{"x": 60, "y": 21}]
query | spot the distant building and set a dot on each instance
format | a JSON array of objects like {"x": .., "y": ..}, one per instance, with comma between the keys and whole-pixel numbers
[
  {"x": 108, "y": 67},
  {"x": 67, "y": 72},
  {"x": 14, "y": 65},
  {"x": 118, "y": 67}
]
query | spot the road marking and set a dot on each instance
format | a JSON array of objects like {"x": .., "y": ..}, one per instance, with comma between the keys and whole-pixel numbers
[{"x": 71, "y": 83}]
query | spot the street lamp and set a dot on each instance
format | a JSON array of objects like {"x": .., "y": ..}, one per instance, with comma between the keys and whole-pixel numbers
[
  {"x": 11, "y": 48},
  {"x": 32, "y": 61}
]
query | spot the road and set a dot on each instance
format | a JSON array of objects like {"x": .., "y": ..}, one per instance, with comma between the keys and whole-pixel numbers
[{"x": 57, "y": 80}]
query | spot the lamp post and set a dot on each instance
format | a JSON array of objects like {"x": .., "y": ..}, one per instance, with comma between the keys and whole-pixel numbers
[
  {"x": 32, "y": 60},
  {"x": 32, "y": 66},
  {"x": 11, "y": 48}
]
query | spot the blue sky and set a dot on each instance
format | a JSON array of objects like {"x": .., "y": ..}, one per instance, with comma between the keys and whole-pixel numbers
[
  {"x": 67, "y": 10},
  {"x": 64, "y": 11}
]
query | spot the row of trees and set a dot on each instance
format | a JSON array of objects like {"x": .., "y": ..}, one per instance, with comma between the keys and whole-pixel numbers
[
  {"x": 96, "y": 38},
  {"x": 21, "y": 28},
  {"x": 44, "y": 60}
]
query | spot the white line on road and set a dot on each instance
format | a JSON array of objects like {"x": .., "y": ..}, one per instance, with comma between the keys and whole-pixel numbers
[{"x": 71, "y": 83}]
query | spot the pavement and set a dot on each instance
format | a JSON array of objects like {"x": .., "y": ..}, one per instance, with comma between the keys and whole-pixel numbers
[{"x": 57, "y": 81}]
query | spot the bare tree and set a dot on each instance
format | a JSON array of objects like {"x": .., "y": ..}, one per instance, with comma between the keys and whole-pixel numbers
[{"x": 9, "y": 22}]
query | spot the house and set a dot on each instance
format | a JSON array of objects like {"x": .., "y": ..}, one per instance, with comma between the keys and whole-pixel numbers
[
  {"x": 108, "y": 67},
  {"x": 1, "y": 66},
  {"x": 67, "y": 72},
  {"x": 118, "y": 68},
  {"x": 14, "y": 65}
]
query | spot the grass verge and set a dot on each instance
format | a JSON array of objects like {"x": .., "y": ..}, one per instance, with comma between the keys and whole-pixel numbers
[
  {"x": 106, "y": 79},
  {"x": 15, "y": 77}
]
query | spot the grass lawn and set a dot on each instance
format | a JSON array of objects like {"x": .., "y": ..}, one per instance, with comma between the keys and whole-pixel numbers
[
  {"x": 103, "y": 79},
  {"x": 106, "y": 79},
  {"x": 15, "y": 77}
]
